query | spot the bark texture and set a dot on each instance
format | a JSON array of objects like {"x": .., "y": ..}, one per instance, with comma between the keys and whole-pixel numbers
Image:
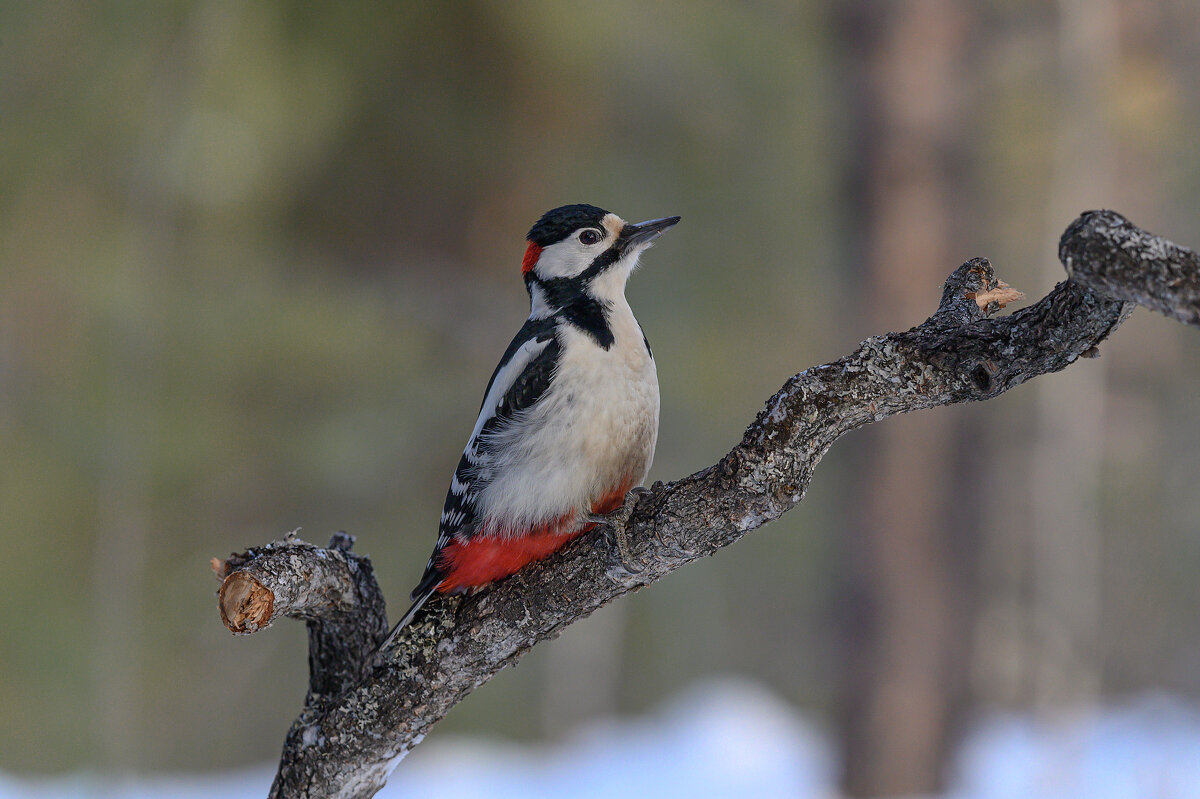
[
  {"x": 333, "y": 590},
  {"x": 359, "y": 721},
  {"x": 1110, "y": 255}
]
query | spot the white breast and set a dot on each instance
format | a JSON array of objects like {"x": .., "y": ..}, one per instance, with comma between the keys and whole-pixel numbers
[{"x": 593, "y": 431}]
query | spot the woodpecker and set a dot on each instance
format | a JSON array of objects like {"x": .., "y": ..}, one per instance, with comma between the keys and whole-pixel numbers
[{"x": 569, "y": 419}]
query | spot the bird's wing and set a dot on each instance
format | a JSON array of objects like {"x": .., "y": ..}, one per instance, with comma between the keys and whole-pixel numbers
[{"x": 520, "y": 380}]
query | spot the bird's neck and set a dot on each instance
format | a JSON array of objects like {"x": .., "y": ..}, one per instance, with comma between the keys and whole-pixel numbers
[
  {"x": 553, "y": 297},
  {"x": 582, "y": 309}
]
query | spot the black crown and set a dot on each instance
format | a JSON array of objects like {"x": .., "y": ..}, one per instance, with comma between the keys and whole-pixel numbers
[{"x": 556, "y": 225}]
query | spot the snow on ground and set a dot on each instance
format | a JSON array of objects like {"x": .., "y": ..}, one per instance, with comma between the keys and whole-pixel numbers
[
  {"x": 1148, "y": 749},
  {"x": 734, "y": 739}
]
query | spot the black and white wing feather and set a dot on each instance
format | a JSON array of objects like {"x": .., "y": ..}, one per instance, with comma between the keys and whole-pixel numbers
[{"x": 521, "y": 378}]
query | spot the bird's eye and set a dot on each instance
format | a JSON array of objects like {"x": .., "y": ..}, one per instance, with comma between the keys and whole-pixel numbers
[{"x": 590, "y": 236}]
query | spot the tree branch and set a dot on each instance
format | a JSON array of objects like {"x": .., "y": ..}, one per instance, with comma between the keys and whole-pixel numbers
[
  {"x": 345, "y": 744},
  {"x": 332, "y": 589},
  {"x": 1107, "y": 253}
]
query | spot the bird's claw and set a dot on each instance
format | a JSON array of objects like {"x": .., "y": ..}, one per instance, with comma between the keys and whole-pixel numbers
[
  {"x": 621, "y": 515},
  {"x": 614, "y": 524}
]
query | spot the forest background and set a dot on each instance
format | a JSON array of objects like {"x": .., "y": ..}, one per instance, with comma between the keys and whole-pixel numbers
[{"x": 258, "y": 260}]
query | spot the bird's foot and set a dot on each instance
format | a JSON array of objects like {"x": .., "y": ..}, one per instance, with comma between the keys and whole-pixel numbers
[{"x": 614, "y": 524}]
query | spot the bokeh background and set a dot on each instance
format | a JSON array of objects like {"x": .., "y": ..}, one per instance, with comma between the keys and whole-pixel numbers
[{"x": 257, "y": 261}]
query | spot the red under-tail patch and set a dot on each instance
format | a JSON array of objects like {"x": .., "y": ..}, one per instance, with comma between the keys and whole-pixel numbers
[
  {"x": 532, "y": 253},
  {"x": 486, "y": 558}
]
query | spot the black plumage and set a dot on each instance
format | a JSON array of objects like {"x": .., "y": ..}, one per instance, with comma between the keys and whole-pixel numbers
[{"x": 556, "y": 225}]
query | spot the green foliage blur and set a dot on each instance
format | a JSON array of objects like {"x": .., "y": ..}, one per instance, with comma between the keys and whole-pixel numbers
[{"x": 257, "y": 261}]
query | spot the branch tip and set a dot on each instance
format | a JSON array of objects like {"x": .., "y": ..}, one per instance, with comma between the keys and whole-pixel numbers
[{"x": 342, "y": 541}]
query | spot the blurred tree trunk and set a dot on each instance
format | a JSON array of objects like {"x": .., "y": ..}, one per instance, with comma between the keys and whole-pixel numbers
[
  {"x": 1064, "y": 474},
  {"x": 583, "y": 672},
  {"x": 908, "y": 560}
]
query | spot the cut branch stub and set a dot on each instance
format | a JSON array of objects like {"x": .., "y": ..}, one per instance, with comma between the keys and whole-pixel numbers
[
  {"x": 246, "y": 604},
  {"x": 291, "y": 578},
  {"x": 331, "y": 588},
  {"x": 288, "y": 577}
]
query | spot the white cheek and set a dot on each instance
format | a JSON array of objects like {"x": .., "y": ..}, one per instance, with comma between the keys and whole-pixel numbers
[
  {"x": 565, "y": 259},
  {"x": 610, "y": 284}
]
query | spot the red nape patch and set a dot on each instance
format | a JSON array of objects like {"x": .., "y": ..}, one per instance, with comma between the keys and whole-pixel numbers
[
  {"x": 532, "y": 253},
  {"x": 486, "y": 558}
]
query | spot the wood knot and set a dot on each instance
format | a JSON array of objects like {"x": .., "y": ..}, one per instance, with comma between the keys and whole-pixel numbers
[
  {"x": 982, "y": 375},
  {"x": 727, "y": 469}
]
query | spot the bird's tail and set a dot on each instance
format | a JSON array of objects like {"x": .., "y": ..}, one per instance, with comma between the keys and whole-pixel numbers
[{"x": 417, "y": 604}]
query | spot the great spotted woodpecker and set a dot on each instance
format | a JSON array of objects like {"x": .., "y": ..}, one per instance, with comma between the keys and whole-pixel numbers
[{"x": 570, "y": 417}]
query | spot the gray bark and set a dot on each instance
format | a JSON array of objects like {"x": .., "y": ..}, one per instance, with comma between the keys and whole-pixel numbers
[
  {"x": 1112, "y": 256},
  {"x": 332, "y": 589},
  {"x": 348, "y": 739}
]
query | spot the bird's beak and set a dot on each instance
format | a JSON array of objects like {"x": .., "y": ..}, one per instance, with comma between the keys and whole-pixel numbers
[{"x": 645, "y": 232}]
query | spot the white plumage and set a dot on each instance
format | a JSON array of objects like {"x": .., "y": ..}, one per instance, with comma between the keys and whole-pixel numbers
[
  {"x": 594, "y": 428},
  {"x": 569, "y": 420}
]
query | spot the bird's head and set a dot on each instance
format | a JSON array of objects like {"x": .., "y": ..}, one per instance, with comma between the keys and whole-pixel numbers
[{"x": 579, "y": 251}]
